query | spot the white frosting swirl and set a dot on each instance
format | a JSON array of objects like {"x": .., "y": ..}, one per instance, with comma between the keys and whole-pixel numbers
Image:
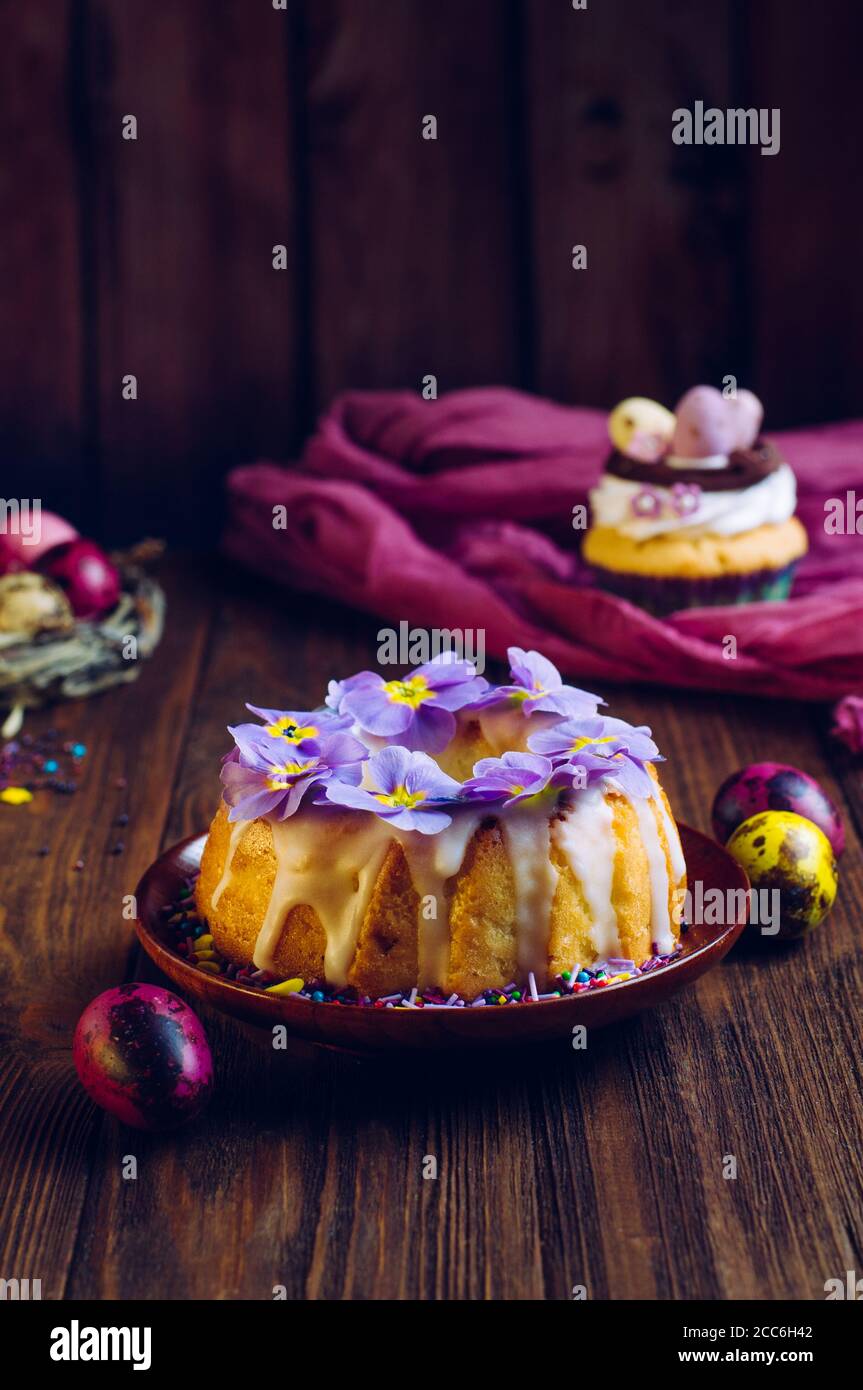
[{"x": 771, "y": 501}]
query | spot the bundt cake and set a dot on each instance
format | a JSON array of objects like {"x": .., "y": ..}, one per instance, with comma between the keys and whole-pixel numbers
[{"x": 441, "y": 831}]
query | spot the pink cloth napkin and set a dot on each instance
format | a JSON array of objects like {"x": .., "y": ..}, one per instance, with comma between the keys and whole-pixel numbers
[{"x": 458, "y": 513}]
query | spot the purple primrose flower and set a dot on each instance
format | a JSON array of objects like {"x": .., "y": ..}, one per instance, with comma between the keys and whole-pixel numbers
[
  {"x": 403, "y": 786},
  {"x": 266, "y": 778},
  {"x": 511, "y": 778},
  {"x": 618, "y": 749},
  {"x": 538, "y": 686},
  {"x": 298, "y": 727},
  {"x": 416, "y": 712}
]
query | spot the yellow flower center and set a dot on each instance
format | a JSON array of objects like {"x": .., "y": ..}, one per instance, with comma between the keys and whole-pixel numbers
[
  {"x": 291, "y": 732},
  {"x": 400, "y": 797},
  {"x": 275, "y": 782},
  {"x": 410, "y": 692},
  {"x": 581, "y": 742}
]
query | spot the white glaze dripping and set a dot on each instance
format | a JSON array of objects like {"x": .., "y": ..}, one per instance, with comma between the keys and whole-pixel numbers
[
  {"x": 526, "y": 836},
  {"x": 237, "y": 830},
  {"x": 660, "y": 920},
  {"x": 432, "y": 860},
  {"x": 585, "y": 836},
  {"x": 332, "y": 868},
  {"x": 672, "y": 835}
]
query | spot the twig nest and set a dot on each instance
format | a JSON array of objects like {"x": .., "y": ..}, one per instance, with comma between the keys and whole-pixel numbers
[
  {"x": 38, "y": 666},
  {"x": 31, "y": 604}
]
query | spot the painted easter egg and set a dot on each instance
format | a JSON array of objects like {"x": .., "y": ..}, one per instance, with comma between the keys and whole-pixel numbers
[
  {"x": 36, "y": 531},
  {"x": 142, "y": 1055},
  {"x": 705, "y": 425},
  {"x": 775, "y": 787},
  {"x": 786, "y": 855},
  {"x": 641, "y": 429},
  {"x": 85, "y": 574},
  {"x": 747, "y": 413},
  {"x": 10, "y": 560}
]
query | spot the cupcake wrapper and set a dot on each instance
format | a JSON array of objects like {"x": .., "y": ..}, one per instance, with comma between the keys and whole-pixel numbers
[{"x": 663, "y": 596}]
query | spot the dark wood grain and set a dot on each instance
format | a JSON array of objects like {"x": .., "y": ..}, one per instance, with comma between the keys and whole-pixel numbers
[
  {"x": 556, "y": 1168},
  {"x": 406, "y": 257},
  {"x": 658, "y": 305},
  {"x": 44, "y": 424},
  {"x": 185, "y": 221},
  {"x": 804, "y": 298},
  {"x": 414, "y": 242}
]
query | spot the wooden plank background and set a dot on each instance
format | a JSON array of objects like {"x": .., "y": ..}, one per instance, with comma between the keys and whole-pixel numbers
[{"x": 261, "y": 127}]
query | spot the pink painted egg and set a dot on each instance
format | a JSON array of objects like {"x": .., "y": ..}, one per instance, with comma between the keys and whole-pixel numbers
[
  {"x": 10, "y": 559},
  {"x": 85, "y": 574},
  {"x": 705, "y": 426},
  {"x": 36, "y": 533},
  {"x": 747, "y": 412},
  {"x": 142, "y": 1055},
  {"x": 775, "y": 787}
]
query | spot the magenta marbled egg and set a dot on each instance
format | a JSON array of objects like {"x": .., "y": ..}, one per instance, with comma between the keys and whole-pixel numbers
[
  {"x": 142, "y": 1055},
  {"x": 774, "y": 787}
]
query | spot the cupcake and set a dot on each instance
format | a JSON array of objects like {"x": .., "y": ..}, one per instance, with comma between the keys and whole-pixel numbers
[{"x": 694, "y": 509}]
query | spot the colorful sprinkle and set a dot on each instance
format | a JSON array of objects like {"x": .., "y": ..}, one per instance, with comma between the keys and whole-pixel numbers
[
  {"x": 15, "y": 796},
  {"x": 286, "y": 987},
  {"x": 193, "y": 942}
]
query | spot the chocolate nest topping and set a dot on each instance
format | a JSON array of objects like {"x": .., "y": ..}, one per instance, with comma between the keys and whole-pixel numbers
[{"x": 746, "y": 467}]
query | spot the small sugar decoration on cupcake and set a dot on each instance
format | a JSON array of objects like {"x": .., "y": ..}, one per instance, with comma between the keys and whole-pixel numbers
[
  {"x": 647, "y": 502},
  {"x": 641, "y": 429},
  {"x": 710, "y": 425}
]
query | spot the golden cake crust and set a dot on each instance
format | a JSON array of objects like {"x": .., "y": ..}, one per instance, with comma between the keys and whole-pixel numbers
[{"x": 706, "y": 556}]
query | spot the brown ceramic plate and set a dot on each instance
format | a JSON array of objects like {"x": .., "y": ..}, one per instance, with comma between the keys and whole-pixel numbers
[{"x": 384, "y": 1029}]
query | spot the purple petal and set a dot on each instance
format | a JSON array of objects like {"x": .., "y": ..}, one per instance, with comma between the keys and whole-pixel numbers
[
  {"x": 430, "y": 730},
  {"x": 339, "y": 689},
  {"x": 532, "y": 670},
  {"x": 428, "y": 822},
  {"x": 566, "y": 701},
  {"x": 336, "y": 749},
  {"x": 425, "y": 775},
  {"x": 375, "y": 712},
  {"x": 459, "y": 695},
  {"x": 389, "y": 768},
  {"x": 343, "y": 794},
  {"x": 256, "y": 748},
  {"x": 261, "y": 803},
  {"x": 446, "y": 669}
]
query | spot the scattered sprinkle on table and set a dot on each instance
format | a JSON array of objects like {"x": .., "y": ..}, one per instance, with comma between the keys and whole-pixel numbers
[{"x": 41, "y": 762}]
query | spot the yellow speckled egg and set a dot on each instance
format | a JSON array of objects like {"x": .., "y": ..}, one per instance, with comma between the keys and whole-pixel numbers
[
  {"x": 641, "y": 429},
  {"x": 785, "y": 852}
]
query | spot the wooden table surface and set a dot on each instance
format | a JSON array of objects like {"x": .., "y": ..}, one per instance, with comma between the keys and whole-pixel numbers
[{"x": 556, "y": 1168}]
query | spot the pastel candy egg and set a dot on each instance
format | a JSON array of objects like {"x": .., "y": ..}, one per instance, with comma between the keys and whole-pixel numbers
[
  {"x": 142, "y": 1055},
  {"x": 747, "y": 412},
  {"x": 641, "y": 429},
  {"x": 786, "y": 854},
  {"x": 775, "y": 787},
  {"x": 705, "y": 425}
]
